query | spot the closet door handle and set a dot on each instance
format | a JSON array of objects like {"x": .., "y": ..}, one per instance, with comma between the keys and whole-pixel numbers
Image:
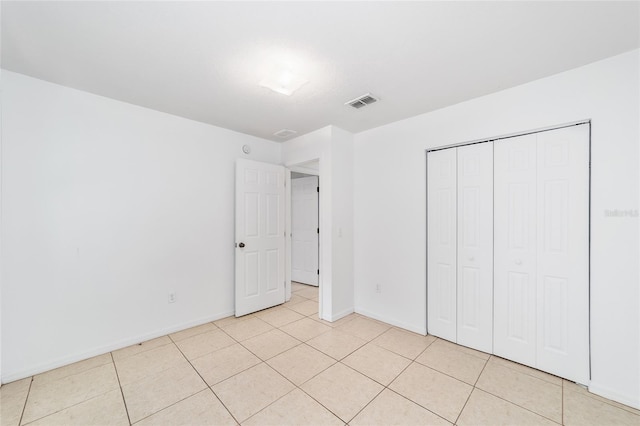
[{"x": 241, "y": 245}]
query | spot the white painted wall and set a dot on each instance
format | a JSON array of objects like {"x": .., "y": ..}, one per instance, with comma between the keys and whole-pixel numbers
[
  {"x": 390, "y": 203},
  {"x": 333, "y": 147},
  {"x": 1, "y": 97},
  {"x": 342, "y": 297},
  {"x": 107, "y": 208}
]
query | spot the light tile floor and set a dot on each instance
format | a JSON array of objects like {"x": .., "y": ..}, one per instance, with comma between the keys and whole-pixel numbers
[{"x": 285, "y": 366}]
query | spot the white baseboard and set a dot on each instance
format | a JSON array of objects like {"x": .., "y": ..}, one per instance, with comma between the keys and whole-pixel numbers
[
  {"x": 604, "y": 391},
  {"x": 70, "y": 359},
  {"x": 410, "y": 327},
  {"x": 339, "y": 315}
]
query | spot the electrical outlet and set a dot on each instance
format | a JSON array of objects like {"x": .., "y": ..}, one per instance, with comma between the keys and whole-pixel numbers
[
  {"x": 172, "y": 297},
  {"x": 378, "y": 288}
]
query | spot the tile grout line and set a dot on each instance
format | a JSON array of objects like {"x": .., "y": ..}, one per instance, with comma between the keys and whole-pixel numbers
[
  {"x": 315, "y": 375},
  {"x": 175, "y": 342},
  {"x": 604, "y": 400},
  {"x": 67, "y": 407},
  {"x": 279, "y": 373},
  {"x": 295, "y": 385},
  {"x": 561, "y": 386},
  {"x": 387, "y": 387},
  {"x": 511, "y": 402},
  {"x": 279, "y": 353},
  {"x": 546, "y": 382},
  {"x": 264, "y": 408},
  {"x": 319, "y": 402},
  {"x": 525, "y": 373},
  {"x": 444, "y": 374},
  {"x": 383, "y": 386},
  {"x": 486, "y": 362},
  {"x": 562, "y": 404},
  {"x": 517, "y": 405},
  {"x": 204, "y": 381},
  {"x": 413, "y": 402},
  {"x": 24, "y": 406},
  {"x": 171, "y": 342},
  {"x": 259, "y": 334},
  {"x": 414, "y": 361},
  {"x": 124, "y": 401},
  {"x": 368, "y": 403},
  {"x": 473, "y": 388},
  {"x": 283, "y": 376}
]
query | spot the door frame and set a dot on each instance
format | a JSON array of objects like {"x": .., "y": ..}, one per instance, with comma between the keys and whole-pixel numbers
[{"x": 300, "y": 167}]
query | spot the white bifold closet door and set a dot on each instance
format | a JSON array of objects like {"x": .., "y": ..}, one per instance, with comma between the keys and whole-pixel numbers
[
  {"x": 541, "y": 282},
  {"x": 442, "y": 243},
  {"x": 515, "y": 248},
  {"x": 460, "y": 245},
  {"x": 475, "y": 246}
]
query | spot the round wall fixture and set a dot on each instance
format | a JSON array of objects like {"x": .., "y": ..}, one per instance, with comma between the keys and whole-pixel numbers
[{"x": 246, "y": 149}]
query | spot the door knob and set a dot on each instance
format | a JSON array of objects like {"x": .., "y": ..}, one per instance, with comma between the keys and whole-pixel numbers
[
  {"x": 518, "y": 262},
  {"x": 471, "y": 258},
  {"x": 241, "y": 245}
]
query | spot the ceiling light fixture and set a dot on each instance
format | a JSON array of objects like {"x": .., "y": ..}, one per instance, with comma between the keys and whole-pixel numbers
[
  {"x": 284, "y": 133},
  {"x": 283, "y": 81}
]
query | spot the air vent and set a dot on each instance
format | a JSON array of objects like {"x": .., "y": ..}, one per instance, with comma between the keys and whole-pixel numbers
[
  {"x": 362, "y": 101},
  {"x": 284, "y": 133}
]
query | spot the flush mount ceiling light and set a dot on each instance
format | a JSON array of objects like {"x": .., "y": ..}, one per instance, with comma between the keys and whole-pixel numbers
[
  {"x": 283, "y": 81},
  {"x": 284, "y": 133}
]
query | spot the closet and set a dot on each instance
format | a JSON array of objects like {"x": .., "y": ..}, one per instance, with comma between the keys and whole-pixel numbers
[{"x": 508, "y": 248}]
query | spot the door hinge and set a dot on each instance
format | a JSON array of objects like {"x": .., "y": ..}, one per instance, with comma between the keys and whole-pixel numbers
[
  {"x": 317, "y": 189},
  {"x": 318, "y": 230},
  {"x": 318, "y": 271}
]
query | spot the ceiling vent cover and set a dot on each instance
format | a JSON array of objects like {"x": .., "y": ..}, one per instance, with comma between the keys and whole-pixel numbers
[
  {"x": 362, "y": 101},
  {"x": 284, "y": 133}
]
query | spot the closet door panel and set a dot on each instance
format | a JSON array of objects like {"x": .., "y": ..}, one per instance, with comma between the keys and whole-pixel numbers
[
  {"x": 515, "y": 249},
  {"x": 441, "y": 244},
  {"x": 563, "y": 252},
  {"x": 475, "y": 247}
]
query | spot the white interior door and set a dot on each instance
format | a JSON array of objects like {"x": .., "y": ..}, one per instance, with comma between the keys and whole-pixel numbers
[
  {"x": 515, "y": 249},
  {"x": 475, "y": 246},
  {"x": 304, "y": 230},
  {"x": 441, "y": 244},
  {"x": 563, "y": 252},
  {"x": 260, "y": 236}
]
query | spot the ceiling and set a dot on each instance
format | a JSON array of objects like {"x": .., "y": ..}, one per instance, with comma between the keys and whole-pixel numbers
[{"x": 204, "y": 60}]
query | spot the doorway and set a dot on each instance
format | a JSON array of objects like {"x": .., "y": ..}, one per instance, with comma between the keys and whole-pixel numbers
[
  {"x": 305, "y": 233},
  {"x": 305, "y": 228}
]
